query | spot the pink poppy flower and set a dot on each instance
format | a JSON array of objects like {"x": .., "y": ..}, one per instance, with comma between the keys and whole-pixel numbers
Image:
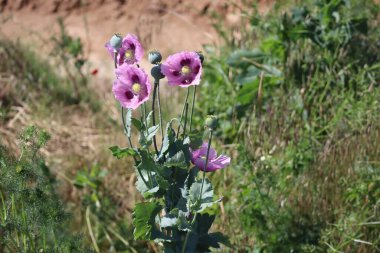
[
  {"x": 130, "y": 51},
  {"x": 132, "y": 87},
  {"x": 183, "y": 69},
  {"x": 214, "y": 162}
]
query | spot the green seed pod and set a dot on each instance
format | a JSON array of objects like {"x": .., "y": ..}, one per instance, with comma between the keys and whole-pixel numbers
[
  {"x": 211, "y": 122},
  {"x": 156, "y": 72},
  {"x": 116, "y": 41},
  {"x": 154, "y": 57}
]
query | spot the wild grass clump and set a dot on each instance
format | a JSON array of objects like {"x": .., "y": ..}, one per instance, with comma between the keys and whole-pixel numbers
[
  {"x": 296, "y": 92},
  {"x": 32, "y": 217},
  {"x": 29, "y": 77}
]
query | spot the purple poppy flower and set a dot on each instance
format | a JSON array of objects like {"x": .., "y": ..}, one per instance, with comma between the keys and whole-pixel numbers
[
  {"x": 132, "y": 87},
  {"x": 214, "y": 162},
  {"x": 183, "y": 69},
  {"x": 130, "y": 51}
]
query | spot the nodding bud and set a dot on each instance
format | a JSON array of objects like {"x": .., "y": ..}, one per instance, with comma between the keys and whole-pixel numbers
[
  {"x": 156, "y": 72},
  {"x": 154, "y": 57},
  {"x": 116, "y": 41},
  {"x": 211, "y": 122},
  {"x": 201, "y": 56}
]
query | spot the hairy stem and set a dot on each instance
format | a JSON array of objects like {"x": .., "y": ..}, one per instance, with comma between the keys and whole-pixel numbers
[
  {"x": 206, "y": 163},
  {"x": 160, "y": 114},
  {"x": 183, "y": 112},
  {"x": 131, "y": 146},
  {"x": 192, "y": 107},
  {"x": 200, "y": 195},
  {"x": 185, "y": 123},
  {"x": 156, "y": 83}
]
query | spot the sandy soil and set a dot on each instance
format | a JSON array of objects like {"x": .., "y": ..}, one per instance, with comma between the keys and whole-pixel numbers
[{"x": 165, "y": 25}]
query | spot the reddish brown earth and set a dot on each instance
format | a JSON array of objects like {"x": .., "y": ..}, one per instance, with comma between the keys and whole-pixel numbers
[
  {"x": 167, "y": 25},
  {"x": 163, "y": 24}
]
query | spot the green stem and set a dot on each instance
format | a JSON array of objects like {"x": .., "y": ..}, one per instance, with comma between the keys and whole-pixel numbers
[
  {"x": 131, "y": 146},
  {"x": 183, "y": 112},
  {"x": 185, "y": 123},
  {"x": 186, "y": 238},
  {"x": 206, "y": 163},
  {"x": 160, "y": 114},
  {"x": 156, "y": 83},
  {"x": 125, "y": 129},
  {"x": 126, "y": 243},
  {"x": 144, "y": 115},
  {"x": 192, "y": 107},
  {"x": 200, "y": 195},
  {"x": 4, "y": 216},
  {"x": 92, "y": 236},
  {"x": 115, "y": 59}
]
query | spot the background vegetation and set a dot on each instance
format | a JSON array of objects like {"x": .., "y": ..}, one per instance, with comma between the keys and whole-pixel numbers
[{"x": 297, "y": 96}]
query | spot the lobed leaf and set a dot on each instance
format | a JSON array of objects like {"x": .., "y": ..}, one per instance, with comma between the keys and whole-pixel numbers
[
  {"x": 144, "y": 219},
  {"x": 122, "y": 152}
]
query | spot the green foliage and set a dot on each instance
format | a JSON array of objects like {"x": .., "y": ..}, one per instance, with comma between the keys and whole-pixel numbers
[
  {"x": 32, "y": 218},
  {"x": 70, "y": 51},
  {"x": 144, "y": 219},
  {"x": 107, "y": 228},
  {"x": 37, "y": 79},
  {"x": 297, "y": 94}
]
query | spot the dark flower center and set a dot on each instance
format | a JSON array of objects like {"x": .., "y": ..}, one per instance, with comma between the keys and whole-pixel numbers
[
  {"x": 185, "y": 62},
  {"x": 196, "y": 69},
  {"x": 135, "y": 79},
  {"x": 129, "y": 94}
]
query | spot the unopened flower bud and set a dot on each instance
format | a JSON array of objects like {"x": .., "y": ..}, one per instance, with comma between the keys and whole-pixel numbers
[
  {"x": 116, "y": 41},
  {"x": 211, "y": 122},
  {"x": 201, "y": 56},
  {"x": 156, "y": 72},
  {"x": 154, "y": 57}
]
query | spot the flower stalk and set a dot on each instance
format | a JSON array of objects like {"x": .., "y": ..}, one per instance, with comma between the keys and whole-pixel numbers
[
  {"x": 183, "y": 111},
  {"x": 160, "y": 114},
  {"x": 192, "y": 108},
  {"x": 156, "y": 83}
]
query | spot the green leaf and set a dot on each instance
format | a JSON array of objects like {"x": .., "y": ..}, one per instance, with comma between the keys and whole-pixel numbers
[
  {"x": 151, "y": 132},
  {"x": 168, "y": 221},
  {"x": 169, "y": 138},
  {"x": 144, "y": 219},
  {"x": 195, "y": 139},
  {"x": 184, "y": 224},
  {"x": 151, "y": 192},
  {"x": 243, "y": 58},
  {"x": 137, "y": 123},
  {"x": 140, "y": 185},
  {"x": 147, "y": 163},
  {"x": 177, "y": 160},
  {"x": 122, "y": 152},
  {"x": 149, "y": 118},
  {"x": 198, "y": 199},
  {"x": 247, "y": 94}
]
